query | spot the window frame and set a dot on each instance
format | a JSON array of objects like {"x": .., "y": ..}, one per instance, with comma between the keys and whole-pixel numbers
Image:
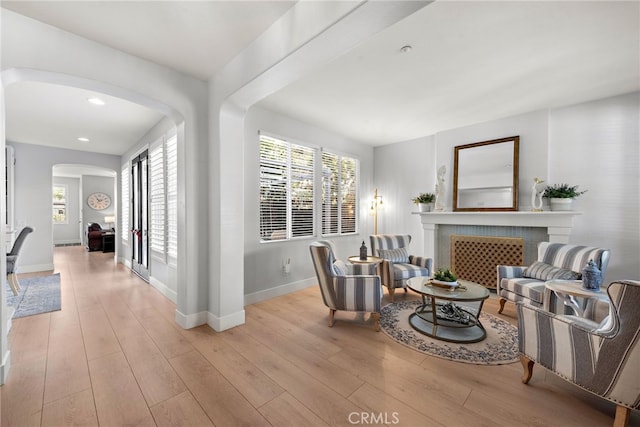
[
  {"x": 63, "y": 205},
  {"x": 317, "y": 196},
  {"x": 288, "y": 167},
  {"x": 158, "y": 200},
  {"x": 125, "y": 217},
  {"x": 356, "y": 209}
]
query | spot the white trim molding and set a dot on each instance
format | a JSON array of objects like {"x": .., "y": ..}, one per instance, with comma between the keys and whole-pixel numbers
[
  {"x": 220, "y": 324},
  {"x": 164, "y": 289},
  {"x": 279, "y": 291},
  {"x": 5, "y": 367},
  {"x": 35, "y": 268},
  {"x": 558, "y": 224},
  {"x": 188, "y": 321}
]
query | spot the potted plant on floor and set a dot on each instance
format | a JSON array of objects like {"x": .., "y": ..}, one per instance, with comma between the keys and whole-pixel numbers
[
  {"x": 561, "y": 196},
  {"x": 424, "y": 201}
]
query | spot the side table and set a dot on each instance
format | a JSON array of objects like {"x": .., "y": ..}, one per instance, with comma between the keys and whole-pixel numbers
[
  {"x": 569, "y": 290},
  {"x": 371, "y": 260},
  {"x": 108, "y": 242},
  {"x": 355, "y": 259}
]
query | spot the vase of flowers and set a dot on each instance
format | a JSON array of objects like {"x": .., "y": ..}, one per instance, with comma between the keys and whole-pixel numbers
[
  {"x": 561, "y": 196},
  {"x": 424, "y": 201}
]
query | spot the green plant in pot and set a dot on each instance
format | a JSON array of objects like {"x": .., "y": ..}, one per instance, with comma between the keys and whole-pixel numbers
[
  {"x": 424, "y": 201},
  {"x": 561, "y": 196},
  {"x": 444, "y": 275}
]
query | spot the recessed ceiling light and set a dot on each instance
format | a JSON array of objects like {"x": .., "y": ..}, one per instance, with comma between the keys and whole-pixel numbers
[
  {"x": 96, "y": 101},
  {"x": 83, "y": 139},
  {"x": 406, "y": 49}
]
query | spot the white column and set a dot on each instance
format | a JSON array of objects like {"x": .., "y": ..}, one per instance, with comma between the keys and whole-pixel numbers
[
  {"x": 559, "y": 234},
  {"x": 430, "y": 235}
]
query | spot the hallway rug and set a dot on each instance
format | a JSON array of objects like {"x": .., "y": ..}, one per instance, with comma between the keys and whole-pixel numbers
[
  {"x": 498, "y": 348},
  {"x": 37, "y": 295}
]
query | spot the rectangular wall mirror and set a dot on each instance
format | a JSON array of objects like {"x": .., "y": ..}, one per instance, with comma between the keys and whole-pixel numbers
[{"x": 485, "y": 175}]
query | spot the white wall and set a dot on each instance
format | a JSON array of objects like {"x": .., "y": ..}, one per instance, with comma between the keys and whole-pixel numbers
[
  {"x": 162, "y": 275},
  {"x": 401, "y": 172},
  {"x": 306, "y": 37},
  {"x": 594, "y": 145},
  {"x": 25, "y": 47},
  {"x": 70, "y": 232},
  {"x": 93, "y": 184},
  {"x": 263, "y": 276},
  {"x": 33, "y": 183}
]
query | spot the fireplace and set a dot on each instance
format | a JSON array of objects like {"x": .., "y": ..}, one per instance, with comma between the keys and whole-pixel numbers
[
  {"x": 533, "y": 227},
  {"x": 475, "y": 258}
]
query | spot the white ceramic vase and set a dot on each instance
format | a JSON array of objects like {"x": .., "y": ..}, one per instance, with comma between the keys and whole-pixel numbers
[
  {"x": 424, "y": 207},
  {"x": 559, "y": 204}
]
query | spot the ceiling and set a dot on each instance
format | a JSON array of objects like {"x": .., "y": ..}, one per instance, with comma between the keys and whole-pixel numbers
[{"x": 469, "y": 62}]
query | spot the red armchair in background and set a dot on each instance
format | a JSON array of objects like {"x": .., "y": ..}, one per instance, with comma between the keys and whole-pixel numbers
[{"x": 94, "y": 237}]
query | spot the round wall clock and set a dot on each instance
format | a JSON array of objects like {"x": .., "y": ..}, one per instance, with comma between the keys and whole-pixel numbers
[{"x": 99, "y": 201}]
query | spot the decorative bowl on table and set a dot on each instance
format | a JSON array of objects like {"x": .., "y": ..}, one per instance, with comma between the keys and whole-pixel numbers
[
  {"x": 445, "y": 278},
  {"x": 444, "y": 283}
]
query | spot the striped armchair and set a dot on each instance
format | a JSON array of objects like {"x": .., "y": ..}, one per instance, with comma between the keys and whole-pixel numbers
[
  {"x": 603, "y": 358},
  {"x": 344, "y": 286},
  {"x": 555, "y": 261},
  {"x": 397, "y": 265}
]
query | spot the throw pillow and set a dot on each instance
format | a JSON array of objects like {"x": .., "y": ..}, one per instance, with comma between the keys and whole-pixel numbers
[
  {"x": 339, "y": 268},
  {"x": 394, "y": 255},
  {"x": 542, "y": 271}
]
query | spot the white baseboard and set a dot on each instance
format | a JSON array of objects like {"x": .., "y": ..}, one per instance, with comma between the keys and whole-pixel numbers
[
  {"x": 279, "y": 291},
  {"x": 5, "y": 367},
  {"x": 220, "y": 324},
  {"x": 188, "y": 321},
  {"x": 67, "y": 242},
  {"x": 164, "y": 289},
  {"x": 34, "y": 268},
  {"x": 126, "y": 262},
  {"x": 10, "y": 311}
]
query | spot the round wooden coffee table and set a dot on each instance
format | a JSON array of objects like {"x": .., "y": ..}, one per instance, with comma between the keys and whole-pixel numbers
[{"x": 441, "y": 318}]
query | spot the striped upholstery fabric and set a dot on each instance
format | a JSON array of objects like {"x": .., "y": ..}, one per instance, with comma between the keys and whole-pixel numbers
[
  {"x": 361, "y": 269},
  {"x": 512, "y": 286},
  {"x": 572, "y": 257},
  {"x": 603, "y": 359},
  {"x": 528, "y": 289},
  {"x": 352, "y": 292},
  {"x": 388, "y": 241},
  {"x": 395, "y": 275}
]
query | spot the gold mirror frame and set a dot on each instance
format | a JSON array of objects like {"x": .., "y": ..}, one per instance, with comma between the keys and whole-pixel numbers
[{"x": 489, "y": 162}]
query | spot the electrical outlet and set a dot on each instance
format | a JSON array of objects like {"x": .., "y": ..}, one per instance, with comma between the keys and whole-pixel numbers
[{"x": 286, "y": 266}]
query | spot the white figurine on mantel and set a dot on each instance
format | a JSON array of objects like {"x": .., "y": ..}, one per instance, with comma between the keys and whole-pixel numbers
[
  {"x": 439, "y": 207},
  {"x": 536, "y": 195}
]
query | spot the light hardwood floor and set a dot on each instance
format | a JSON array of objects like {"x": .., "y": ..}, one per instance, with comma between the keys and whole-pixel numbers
[{"x": 113, "y": 356}]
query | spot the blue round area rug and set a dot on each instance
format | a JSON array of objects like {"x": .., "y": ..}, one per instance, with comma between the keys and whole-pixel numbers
[
  {"x": 498, "y": 348},
  {"x": 36, "y": 295}
]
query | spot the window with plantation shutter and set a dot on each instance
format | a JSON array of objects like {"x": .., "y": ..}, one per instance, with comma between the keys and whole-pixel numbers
[
  {"x": 286, "y": 190},
  {"x": 172, "y": 196},
  {"x": 126, "y": 202},
  {"x": 60, "y": 204},
  {"x": 339, "y": 194},
  {"x": 157, "y": 197}
]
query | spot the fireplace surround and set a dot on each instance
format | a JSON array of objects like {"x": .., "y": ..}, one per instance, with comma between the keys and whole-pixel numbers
[{"x": 546, "y": 226}]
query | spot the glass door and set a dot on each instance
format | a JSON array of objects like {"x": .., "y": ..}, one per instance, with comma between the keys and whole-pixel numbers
[{"x": 140, "y": 215}]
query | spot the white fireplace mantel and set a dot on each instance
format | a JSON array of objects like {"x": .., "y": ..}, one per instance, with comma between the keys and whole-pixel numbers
[{"x": 558, "y": 224}]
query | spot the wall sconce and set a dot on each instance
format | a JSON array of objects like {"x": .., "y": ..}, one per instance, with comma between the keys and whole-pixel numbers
[
  {"x": 109, "y": 219},
  {"x": 376, "y": 204}
]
